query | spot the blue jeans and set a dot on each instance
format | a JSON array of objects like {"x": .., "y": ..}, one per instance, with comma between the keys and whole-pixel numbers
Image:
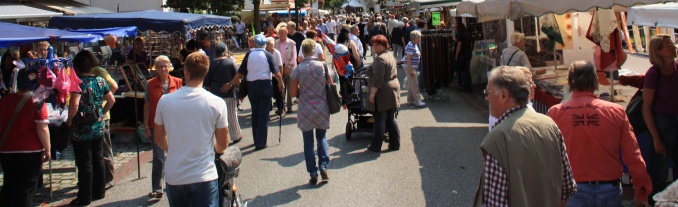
[
  {"x": 195, "y": 194},
  {"x": 323, "y": 155},
  {"x": 260, "y": 93},
  {"x": 157, "y": 172},
  {"x": 600, "y": 195},
  {"x": 667, "y": 126}
]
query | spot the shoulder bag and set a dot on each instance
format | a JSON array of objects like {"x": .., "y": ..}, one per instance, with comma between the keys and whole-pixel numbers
[
  {"x": 85, "y": 118},
  {"x": 634, "y": 110},
  {"x": 333, "y": 100},
  {"x": 11, "y": 120}
]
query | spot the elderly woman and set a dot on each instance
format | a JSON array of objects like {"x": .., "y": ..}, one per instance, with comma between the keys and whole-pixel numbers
[
  {"x": 514, "y": 56},
  {"x": 413, "y": 53},
  {"x": 162, "y": 84},
  {"x": 660, "y": 108},
  {"x": 87, "y": 138},
  {"x": 222, "y": 70},
  {"x": 26, "y": 142},
  {"x": 277, "y": 60},
  {"x": 308, "y": 81},
  {"x": 384, "y": 90}
]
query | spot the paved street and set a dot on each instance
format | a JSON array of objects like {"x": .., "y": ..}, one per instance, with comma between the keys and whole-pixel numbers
[{"x": 439, "y": 162}]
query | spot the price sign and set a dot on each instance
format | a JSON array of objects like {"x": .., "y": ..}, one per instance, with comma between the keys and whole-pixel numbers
[{"x": 435, "y": 17}]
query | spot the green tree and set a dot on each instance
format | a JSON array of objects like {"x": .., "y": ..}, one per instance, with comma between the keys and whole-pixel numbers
[
  {"x": 225, "y": 7},
  {"x": 187, "y": 6}
]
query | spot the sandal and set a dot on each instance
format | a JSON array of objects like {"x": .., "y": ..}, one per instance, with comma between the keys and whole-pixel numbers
[{"x": 155, "y": 195}]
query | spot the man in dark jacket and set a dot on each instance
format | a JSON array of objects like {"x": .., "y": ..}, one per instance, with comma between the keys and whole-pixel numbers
[
  {"x": 295, "y": 35},
  {"x": 376, "y": 30}
]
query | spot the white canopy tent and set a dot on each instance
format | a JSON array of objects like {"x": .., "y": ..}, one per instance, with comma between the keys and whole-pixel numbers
[
  {"x": 514, "y": 9},
  {"x": 657, "y": 15},
  {"x": 424, "y": 4},
  {"x": 353, "y": 4}
]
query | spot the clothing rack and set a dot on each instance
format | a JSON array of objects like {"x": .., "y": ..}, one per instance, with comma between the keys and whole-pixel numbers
[{"x": 437, "y": 66}]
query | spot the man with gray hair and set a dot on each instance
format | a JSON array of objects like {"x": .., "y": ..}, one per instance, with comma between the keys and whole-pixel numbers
[
  {"x": 355, "y": 32},
  {"x": 596, "y": 132},
  {"x": 296, "y": 36},
  {"x": 258, "y": 65},
  {"x": 525, "y": 161},
  {"x": 514, "y": 56}
]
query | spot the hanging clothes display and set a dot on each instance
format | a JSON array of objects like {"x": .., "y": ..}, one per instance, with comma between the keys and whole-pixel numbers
[
  {"x": 56, "y": 79},
  {"x": 436, "y": 59}
]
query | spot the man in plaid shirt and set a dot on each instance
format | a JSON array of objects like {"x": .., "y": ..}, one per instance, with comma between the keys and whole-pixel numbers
[{"x": 525, "y": 160}]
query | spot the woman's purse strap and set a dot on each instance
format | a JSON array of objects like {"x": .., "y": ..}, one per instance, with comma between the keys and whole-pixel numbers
[{"x": 11, "y": 120}]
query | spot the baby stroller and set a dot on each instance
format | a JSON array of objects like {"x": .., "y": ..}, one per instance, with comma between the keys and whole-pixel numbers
[
  {"x": 228, "y": 168},
  {"x": 359, "y": 118}
]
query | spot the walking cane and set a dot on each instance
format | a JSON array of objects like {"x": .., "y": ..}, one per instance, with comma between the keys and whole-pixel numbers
[{"x": 281, "y": 113}]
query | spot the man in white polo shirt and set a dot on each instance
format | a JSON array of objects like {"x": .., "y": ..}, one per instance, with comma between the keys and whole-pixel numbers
[
  {"x": 331, "y": 28},
  {"x": 258, "y": 66},
  {"x": 187, "y": 121}
]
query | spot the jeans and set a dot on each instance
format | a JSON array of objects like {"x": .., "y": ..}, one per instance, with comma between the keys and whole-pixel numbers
[
  {"x": 667, "y": 126},
  {"x": 385, "y": 121},
  {"x": 205, "y": 194},
  {"x": 157, "y": 171},
  {"x": 109, "y": 163},
  {"x": 260, "y": 93},
  {"x": 398, "y": 52},
  {"x": 600, "y": 195},
  {"x": 21, "y": 175},
  {"x": 323, "y": 155},
  {"x": 463, "y": 66},
  {"x": 90, "y": 162},
  {"x": 331, "y": 36},
  {"x": 278, "y": 96},
  {"x": 240, "y": 40}
]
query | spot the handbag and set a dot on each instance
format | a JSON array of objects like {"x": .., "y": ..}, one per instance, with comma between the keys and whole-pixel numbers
[
  {"x": 333, "y": 100},
  {"x": 11, "y": 120},
  {"x": 85, "y": 118},
  {"x": 634, "y": 110}
]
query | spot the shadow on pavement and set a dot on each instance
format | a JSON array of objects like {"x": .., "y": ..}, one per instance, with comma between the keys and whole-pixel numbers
[
  {"x": 140, "y": 201},
  {"x": 441, "y": 167},
  {"x": 281, "y": 197},
  {"x": 288, "y": 161},
  {"x": 352, "y": 151}
]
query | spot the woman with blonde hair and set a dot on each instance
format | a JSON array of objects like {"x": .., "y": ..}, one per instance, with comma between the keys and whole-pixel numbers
[
  {"x": 660, "y": 109},
  {"x": 308, "y": 81},
  {"x": 162, "y": 84}
]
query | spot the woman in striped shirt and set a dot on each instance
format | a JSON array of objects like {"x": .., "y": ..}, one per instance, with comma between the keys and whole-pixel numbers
[{"x": 412, "y": 69}]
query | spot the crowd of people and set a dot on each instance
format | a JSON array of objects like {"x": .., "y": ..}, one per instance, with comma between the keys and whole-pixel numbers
[{"x": 563, "y": 160}]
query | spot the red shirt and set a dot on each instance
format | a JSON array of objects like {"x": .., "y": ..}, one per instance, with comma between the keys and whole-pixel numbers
[
  {"x": 23, "y": 136},
  {"x": 594, "y": 132}
]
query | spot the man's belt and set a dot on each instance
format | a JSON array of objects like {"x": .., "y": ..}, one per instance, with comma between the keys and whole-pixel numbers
[{"x": 613, "y": 182}]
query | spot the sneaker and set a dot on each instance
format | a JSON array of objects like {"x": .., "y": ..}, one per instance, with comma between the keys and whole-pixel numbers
[{"x": 420, "y": 104}]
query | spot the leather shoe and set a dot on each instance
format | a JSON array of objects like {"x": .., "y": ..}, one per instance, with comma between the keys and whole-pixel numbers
[
  {"x": 393, "y": 148},
  {"x": 235, "y": 141},
  {"x": 260, "y": 148},
  {"x": 323, "y": 174},
  {"x": 313, "y": 180}
]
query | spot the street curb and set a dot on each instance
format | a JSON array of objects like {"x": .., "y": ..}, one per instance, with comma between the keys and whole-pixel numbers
[{"x": 123, "y": 171}]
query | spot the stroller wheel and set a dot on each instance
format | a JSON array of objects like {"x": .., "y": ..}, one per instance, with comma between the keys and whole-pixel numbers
[{"x": 349, "y": 129}]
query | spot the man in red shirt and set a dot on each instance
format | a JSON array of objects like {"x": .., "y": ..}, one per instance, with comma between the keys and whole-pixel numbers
[{"x": 594, "y": 131}]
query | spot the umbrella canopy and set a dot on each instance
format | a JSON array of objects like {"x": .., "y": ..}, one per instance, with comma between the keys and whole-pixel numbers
[
  {"x": 658, "y": 15},
  {"x": 423, "y": 4},
  {"x": 117, "y": 31},
  {"x": 14, "y": 34},
  {"x": 144, "y": 20},
  {"x": 514, "y": 9},
  {"x": 352, "y": 4}
]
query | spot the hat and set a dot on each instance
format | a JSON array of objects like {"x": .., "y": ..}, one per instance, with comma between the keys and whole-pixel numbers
[
  {"x": 260, "y": 40},
  {"x": 220, "y": 48}
]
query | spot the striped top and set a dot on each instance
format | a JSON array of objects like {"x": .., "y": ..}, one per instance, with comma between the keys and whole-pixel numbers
[{"x": 413, "y": 49}]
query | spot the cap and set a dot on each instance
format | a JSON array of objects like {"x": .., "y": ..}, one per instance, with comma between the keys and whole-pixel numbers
[
  {"x": 220, "y": 48},
  {"x": 260, "y": 40}
]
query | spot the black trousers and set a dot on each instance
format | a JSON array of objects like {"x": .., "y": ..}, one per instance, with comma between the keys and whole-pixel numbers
[
  {"x": 463, "y": 66},
  {"x": 21, "y": 175},
  {"x": 89, "y": 160},
  {"x": 383, "y": 121}
]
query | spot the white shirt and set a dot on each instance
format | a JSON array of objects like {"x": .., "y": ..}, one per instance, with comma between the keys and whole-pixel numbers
[
  {"x": 257, "y": 65},
  {"x": 277, "y": 59},
  {"x": 239, "y": 27},
  {"x": 357, "y": 43},
  {"x": 190, "y": 116},
  {"x": 331, "y": 27},
  {"x": 318, "y": 51}
]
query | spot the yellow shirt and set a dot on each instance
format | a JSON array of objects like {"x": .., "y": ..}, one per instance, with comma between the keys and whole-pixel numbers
[{"x": 98, "y": 71}]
